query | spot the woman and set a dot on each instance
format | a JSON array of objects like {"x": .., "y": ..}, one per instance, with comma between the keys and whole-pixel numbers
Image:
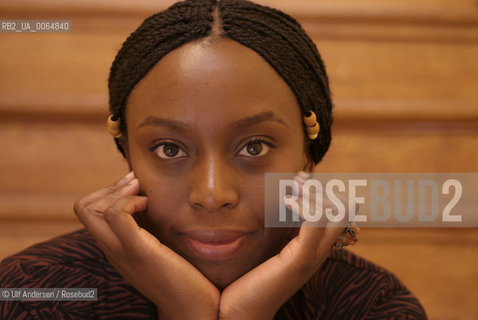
[{"x": 206, "y": 97}]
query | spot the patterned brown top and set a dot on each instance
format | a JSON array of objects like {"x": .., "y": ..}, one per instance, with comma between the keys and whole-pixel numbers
[{"x": 345, "y": 287}]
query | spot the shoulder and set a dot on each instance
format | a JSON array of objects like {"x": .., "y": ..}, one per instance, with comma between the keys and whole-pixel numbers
[
  {"x": 350, "y": 287},
  {"x": 340, "y": 261},
  {"x": 60, "y": 249},
  {"x": 77, "y": 251},
  {"x": 72, "y": 260}
]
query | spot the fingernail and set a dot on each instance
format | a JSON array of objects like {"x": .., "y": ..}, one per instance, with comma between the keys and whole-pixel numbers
[
  {"x": 130, "y": 175},
  {"x": 304, "y": 174},
  {"x": 134, "y": 181},
  {"x": 129, "y": 186}
]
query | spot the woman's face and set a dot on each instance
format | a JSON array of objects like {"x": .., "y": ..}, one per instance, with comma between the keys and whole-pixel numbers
[{"x": 204, "y": 126}]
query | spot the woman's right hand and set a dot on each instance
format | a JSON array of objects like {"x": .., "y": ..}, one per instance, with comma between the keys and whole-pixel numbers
[{"x": 177, "y": 288}]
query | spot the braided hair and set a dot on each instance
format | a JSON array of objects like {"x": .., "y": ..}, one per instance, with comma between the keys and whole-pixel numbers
[{"x": 277, "y": 37}]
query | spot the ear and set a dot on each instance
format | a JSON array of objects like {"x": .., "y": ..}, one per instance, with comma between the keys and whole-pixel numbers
[{"x": 123, "y": 141}]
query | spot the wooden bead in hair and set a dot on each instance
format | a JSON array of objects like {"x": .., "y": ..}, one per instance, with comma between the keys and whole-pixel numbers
[
  {"x": 310, "y": 119},
  {"x": 311, "y": 124},
  {"x": 113, "y": 127}
]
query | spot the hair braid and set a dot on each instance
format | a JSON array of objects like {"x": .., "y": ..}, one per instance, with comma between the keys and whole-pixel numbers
[
  {"x": 281, "y": 41},
  {"x": 277, "y": 37},
  {"x": 157, "y": 35}
]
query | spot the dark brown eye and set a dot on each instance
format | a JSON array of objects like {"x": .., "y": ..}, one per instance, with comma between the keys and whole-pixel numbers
[
  {"x": 255, "y": 149},
  {"x": 169, "y": 150}
]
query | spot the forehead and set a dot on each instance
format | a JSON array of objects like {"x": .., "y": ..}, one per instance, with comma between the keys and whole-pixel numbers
[{"x": 208, "y": 76}]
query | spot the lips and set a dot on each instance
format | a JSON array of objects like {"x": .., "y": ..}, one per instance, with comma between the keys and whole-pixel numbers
[{"x": 215, "y": 244}]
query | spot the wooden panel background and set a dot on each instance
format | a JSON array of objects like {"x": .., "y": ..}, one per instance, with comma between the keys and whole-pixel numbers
[{"x": 404, "y": 75}]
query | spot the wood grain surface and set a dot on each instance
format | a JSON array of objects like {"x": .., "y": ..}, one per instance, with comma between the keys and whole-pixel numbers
[{"x": 404, "y": 76}]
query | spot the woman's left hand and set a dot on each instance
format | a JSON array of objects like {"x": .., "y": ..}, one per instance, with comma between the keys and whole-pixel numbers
[{"x": 262, "y": 291}]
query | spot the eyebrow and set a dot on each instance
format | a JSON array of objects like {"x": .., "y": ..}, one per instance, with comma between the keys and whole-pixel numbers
[
  {"x": 161, "y": 122},
  {"x": 258, "y": 118},
  {"x": 244, "y": 122}
]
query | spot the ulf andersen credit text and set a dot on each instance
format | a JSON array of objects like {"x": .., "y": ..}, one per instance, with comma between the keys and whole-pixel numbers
[{"x": 48, "y": 294}]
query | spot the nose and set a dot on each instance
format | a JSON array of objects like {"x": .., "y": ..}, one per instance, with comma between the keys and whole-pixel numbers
[{"x": 213, "y": 185}]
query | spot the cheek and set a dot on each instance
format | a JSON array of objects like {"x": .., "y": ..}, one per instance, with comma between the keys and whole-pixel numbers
[
  {"x": 251, "y": 196},
  {"x": 161, "y": 189},
  {"x": 163, "y": 199}
]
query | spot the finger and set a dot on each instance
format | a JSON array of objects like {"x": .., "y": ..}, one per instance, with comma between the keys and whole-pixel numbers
[
  {"x": 110, "y": 190},
  {"x": 119, "y": 218},
  {"x": 101, "y": 204},
  {"x": 309, "y": 233},
  {"x": 96, "y": 225},
  {"x": 307, "y": 209},
  {"x": 91, "y": 216},
  {"x": 99, "y": 194},
  {"x": 310, "y": 212},
  {"x": 331, "y": 233},
  {"x": 300, "y": 179},
  {"x": 316, "y": 243},
  {"x": 316, "y": 212},
  {"x": 97, "y": 207},
  {"x": 315, "y": 235}
]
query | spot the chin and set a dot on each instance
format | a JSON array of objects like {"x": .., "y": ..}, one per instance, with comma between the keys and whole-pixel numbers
[
  {"x": 223, "y": 273},
  {"x": 221, "y": 283}
]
